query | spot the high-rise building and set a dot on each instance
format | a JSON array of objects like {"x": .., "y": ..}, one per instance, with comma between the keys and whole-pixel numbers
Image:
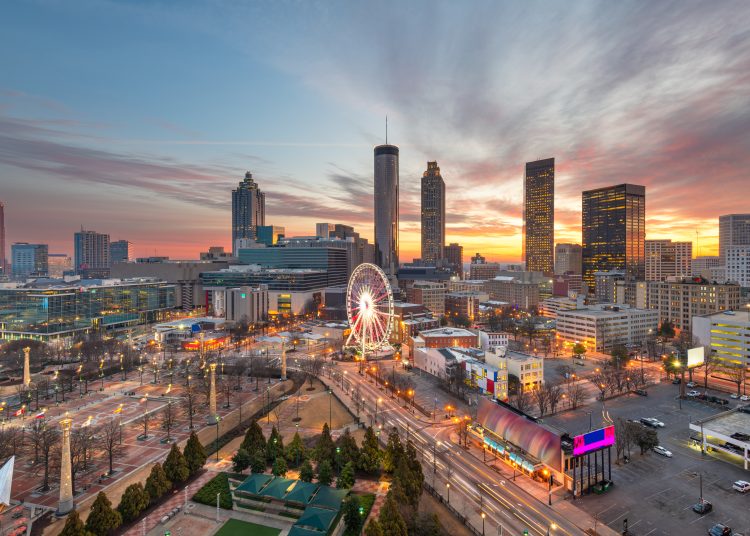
[
  {"x": 120, "y": 251},
  {"x": 665, "y": 258},
  {"x": 91, "y": 254},
  {"x": 679, "y": 302},
  {"x": 737, "y": 268},
  {"x": 454, "y": 256},
  {"x": 704, "y": 266},
  {"x": 3, "y": 262},
  {"x": 269, "y": 234},
  {"x": 734, "y": 230},
  {"x": 248, "y": 210},
  {"x": 433, "y": 214},
  {"x": 614, "y": 231},
  {"x": 29, "y": 259},
  {"x": 539, "y": 216},
  {"x": 568, "y": 259},
  {"x": 58, "y": 264},
  {"x": 386, "y": 208}
]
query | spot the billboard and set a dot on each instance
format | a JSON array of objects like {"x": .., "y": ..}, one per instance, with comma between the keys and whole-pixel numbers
[
  {"x": 591, "y": 441},
  {"x": 695, "y": 357},
  {"x": 522, "y": 431}
]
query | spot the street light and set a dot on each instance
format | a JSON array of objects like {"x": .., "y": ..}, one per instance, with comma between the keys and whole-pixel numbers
[
  {"x": 485, "y": 515},
  {"x": 448, "y": 485}
]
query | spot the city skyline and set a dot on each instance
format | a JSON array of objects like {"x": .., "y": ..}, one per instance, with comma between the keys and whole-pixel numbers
[{"x": 152, "y": 153}]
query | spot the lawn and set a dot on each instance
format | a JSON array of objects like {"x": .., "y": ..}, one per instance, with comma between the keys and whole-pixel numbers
[{"x": 235, "y": 527}]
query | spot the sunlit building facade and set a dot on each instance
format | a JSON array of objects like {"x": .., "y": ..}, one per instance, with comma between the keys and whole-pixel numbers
[
  {"x": 433, "y": 214},
  {"x": 248, "y": 210},
  {"x": 539, "y": 216},
  {"x": 386, "y": 208}
]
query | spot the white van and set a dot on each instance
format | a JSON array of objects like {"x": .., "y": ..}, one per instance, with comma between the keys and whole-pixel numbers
[{"x": 741, "y": 486}]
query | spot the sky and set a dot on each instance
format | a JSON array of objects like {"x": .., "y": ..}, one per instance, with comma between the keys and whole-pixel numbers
[{"x": 138, "y": 118}]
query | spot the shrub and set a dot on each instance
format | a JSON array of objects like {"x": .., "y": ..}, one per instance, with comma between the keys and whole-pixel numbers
[{"x": 218, "y": 484}]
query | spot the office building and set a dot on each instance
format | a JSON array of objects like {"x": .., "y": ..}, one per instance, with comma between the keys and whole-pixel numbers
[
  {"x": 680, "y": 301},
  {"x": 120, "y": 251},
  {"x": 59, "y": 265},
  {"x": 734, "y": 230},
  {"x": 476, "y": 285},
  {"x": 614, "y": 231},
  {"x": 433, "y": 214},
  {"x": 431, "y": 294},
  {"x": 386, "y": 208},
  {"x": 539, "y": 216},
  {"x": 332, "y": 260},
  {"x": 568, "y": 259},
  {"x": 46, "y": 312},
  {"x": 602, "y": 327},
  {"x": 454, "y": 257},
  {"x": 246, "y": 304},
  {"x": 516, "y": 293},
  {"x": 705, "y": 267},
  {"x": 726, "y": 334},
  {"x": 91, "y": 254},
  {"x": 737, "y": 268},
  {"x": 631, "y": 293},
  {"x": 464, "y": 304},
  {"x": 29, "y": 260},
  {"x": 3, "y": 252},
  {"x": 408, "y": 274},
  {"x": 665, "y": 259},
  {"x": 248, "y": 210},
  {"x": 358, "y": 249},
  {"x": 551, "y": 307},
  {"x": 269, "y": 234},
  {"x": 481, "y": 269},
  {"x": 567, "y": 284},
  {"x": 528, "y": 369},
  {"x": 606, "y": 284}
]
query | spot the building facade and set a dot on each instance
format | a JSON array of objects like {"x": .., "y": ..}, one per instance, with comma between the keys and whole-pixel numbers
[
  {"x": 727, "y": 335},
  {"x": 513, "y": 292},
  {"x": 454, "y": 257},
  {"x": 734, "y": 230},
  {"x": 614, "y": 231},
  {"x": 91, "y": 254},
  {"x": 120, "y": 251},
  {"x": 269, "y": 234},
  {"x": 248, "y": 210},
  {"x": 602, "y": 327},
  {"x": 29, "y": 260},
  {"x": 464, "y": 303},
  {"x": 539, "y": 216},
  {"x": 481, "y": 269},
  {"x": 386, "y": 208},
  {"x": 246, "y": 304},
  {"x": 705, "y": 266},
  {"x": 568, "y": 259},
  {"x": 431, "y": 294},
  {"x": 738, "y": 265},
  {"x": 58, "y": 264},
  {"x": 3, "y": 251},
  {"x": 433, "y": 214},
  {"x": 665, "y": 259},
  {"x": 332, "y": 260}
]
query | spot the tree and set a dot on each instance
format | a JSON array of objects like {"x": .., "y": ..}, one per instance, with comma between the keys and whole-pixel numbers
[
  {"x": 620, "y": 357},
  {"x": 347, "y": 449},
  {"x": 241, "y": 460},
  {"x": 102, "y": 517},
  {"x": 145, "y": 420},
  {"x": 295, "y": 450},
  {"x": 599, "y": 380},
  {"x": 168, "y": 418},
  {"x": 513, "y": 384},
  {"x": 325, "y": 450},
  {"x": 325, "y": 473},
  {"x": 391, "y": 521},
  {"x": 190, "y": 403},
  {"x": 541, "y": 399},
  {"x": 195, "y": 454},
  {"x": 73, "y": 525},
  {"x": 579, "y": 351},
  {"x": 393, "y": 451},
  {"x": 82, "y": 445},
  {"x": 369, "y": 454},
  {"x": 279, "y": 466},
  {"x": 666, "y": 329},
  {"x": 646, "y": 439},
  {"x": 110, "y": 434},
  {"x": 554, "y": 394},
  {"x": 312, "y": 368},
  {"x": 258, "y": 461},
  {"x": 373, "y": 528},
  {"x": 254, "y": 439},
  {"x": 306, "y": 471},
  {"x": 275, "y": 445},
  {"x": 522, "y": 400},
  {"x": 736, "y": 375},
  {"x": 157, "y": 483},
  {"x": 176, "y": 466},
  {"x": 352, "y": 517},
  {"x": 710, "y": 364},
  {"x": 133, "y": 501},
  {"x": 11, "y": 440},
  {"x": 46, "y": 442},
  {"x": 346, "y": 478}
]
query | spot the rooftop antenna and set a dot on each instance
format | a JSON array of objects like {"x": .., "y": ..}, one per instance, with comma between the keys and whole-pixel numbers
[
  {"x": 386, "y": 129},
  {"x": 697, "y": 244}
]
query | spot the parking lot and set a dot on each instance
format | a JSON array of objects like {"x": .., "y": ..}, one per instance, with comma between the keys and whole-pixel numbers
[{"x": 654, "y": 493}]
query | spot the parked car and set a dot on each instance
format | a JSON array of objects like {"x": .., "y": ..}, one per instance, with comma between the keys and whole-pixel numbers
[
  {"x": 703, "y": 507},
  {"x": 692, "y": 393},
  {"x": 745, "y": 398},
  {"x": 650, "y": 421},
  {"x": 735, "y": 396},
  {"x": 662, "y": 451},
  {"x": 742, "y": 486},
  {"x": 676, "y": 381},
  {"x": 691, "y": 384},
  {"x": 641, "y": 392},
  {"x": 720, "y": 530}
]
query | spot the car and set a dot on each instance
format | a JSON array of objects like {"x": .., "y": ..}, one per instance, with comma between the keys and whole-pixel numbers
[
  {"x": 676, "y": 381},
  {"x": 691, "y": 384},
  {"x": 692, "y": 393},
  {"x": 648, "y": 422},
  {"x": 742, "y": 486},
  {"x": 745, "y": 398},
  {"x": 720, "y": 530},
  {"x": 735, "y": 396},
  {"x": 662, "y": 451},
  {"x": 655, "y": 423},
  {"x": 703, "y": 507},
  {"x": 641, "y": 392}
]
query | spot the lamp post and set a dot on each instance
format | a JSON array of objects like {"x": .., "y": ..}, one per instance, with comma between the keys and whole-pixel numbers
[
  {"x": 218, "y": 419},
  {"x": 483, "y": 516},
  {"x": 330, "y": 408},
  {"x": 448, "y": 486}
]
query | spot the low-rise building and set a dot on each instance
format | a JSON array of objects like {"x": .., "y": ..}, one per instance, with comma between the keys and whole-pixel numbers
[
  {"x": 509, "y": 289},
  {"x": 567, "y": 284},
  {"x": 551, "y": 307},
  {"x": 601, "y": 327},
  {"x": 245, "y": 304},
  {"x": 464, "y": 304},
  {"x": 726, "y": 334},
  {"x": 431, "y": 294},
  {"x": 528, "y": 369},
  {"x": 460, "y": 285},
  {"x": 489, "y": 340}
]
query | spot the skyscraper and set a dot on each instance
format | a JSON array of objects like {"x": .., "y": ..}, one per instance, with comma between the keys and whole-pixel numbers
[
  {"x": 386, "y": 208},
  {"x": 539, "y": 216},
  {"x": 120, "y": 251},
  {"x": 248, "y": 210},
  {"x": 614, "y": 231},
  {"x": 567, "y": 259},
  {"x": 454, "y": 255},
  {"x": 734, "y": 230},
  {"x": 3, "y": 263},
  {"x": 665, "y": 258},
  {"x": 91, "y": 254},
  {"x": 29, "y": 259},
  {"x": 433, "y": 214}
]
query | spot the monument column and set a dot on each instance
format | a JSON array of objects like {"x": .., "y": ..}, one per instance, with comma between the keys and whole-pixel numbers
[
  {"x": 26, "y": 367},
  {"x": 65, "y": 504},
  {"x": 212, "y": 395},
  {"x": 283, "y": 361}
]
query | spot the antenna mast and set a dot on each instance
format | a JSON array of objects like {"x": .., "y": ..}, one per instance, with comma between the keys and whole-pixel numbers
[{"x": 386, "y": 129}]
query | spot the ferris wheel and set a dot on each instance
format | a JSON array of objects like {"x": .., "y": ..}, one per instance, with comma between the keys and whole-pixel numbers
[{"x": 369, "y": 307}]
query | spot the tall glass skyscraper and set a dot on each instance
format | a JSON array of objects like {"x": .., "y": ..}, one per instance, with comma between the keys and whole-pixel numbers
[
  {"x": 433, "y": 214},
  {"x": 3, "y": 262},
  {"x": 248, "y": 210},
  {"x": 91, "y": 254},
  {"x": 614, "y": 231},
  {"x": 29, "y": 259},
  {"x": 386, "y": 208},
  {"x": 539, "y": 216}
]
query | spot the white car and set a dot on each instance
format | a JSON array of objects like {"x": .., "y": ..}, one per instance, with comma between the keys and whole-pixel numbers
[
  {"x": 734, "y": 395},
  {"x": 691, "y": 384},
  {"x": 662, "y": 451},
  {"x": 742, "y": 486},
  {"x": 657, "y": 422},
  {"x": 745, "y": 398},
  {"x": 692, "y": 393}
]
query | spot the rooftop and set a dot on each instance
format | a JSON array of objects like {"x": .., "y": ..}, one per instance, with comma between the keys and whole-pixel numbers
[
  {"x": 447, "y": 332},
  {"x": 729, "y": 316},
  {"x": 726, "y": 424}
]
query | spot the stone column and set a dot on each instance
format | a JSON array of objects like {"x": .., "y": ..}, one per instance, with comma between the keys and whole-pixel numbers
[
  {"x": 283, "y": 361},
  {"x": 212, "y": 395},
  {"x": 26, "y": 368},
  {"x": 65, "y": 504}
]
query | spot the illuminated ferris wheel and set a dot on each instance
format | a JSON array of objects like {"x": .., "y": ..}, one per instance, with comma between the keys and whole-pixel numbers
[{"x": 369, "y": 307}]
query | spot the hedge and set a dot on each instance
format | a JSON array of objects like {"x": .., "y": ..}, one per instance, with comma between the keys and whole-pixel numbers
[{"x": 207, "y": 494}]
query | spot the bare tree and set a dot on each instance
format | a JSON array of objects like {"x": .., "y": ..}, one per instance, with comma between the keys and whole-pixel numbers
[
  {"x": 145, "y": 420},
  {"x": 710, "y": 364},
  {"x": 312, "y": 367},
  {"x": 554, "y": 394},
  {"x": 168, "y": 418},
  {"x": 190, "y": 403},
  {"x": 82, "y": 447},
  {"x": 110, "y": 440},
  {"x": 238, "y": 370},
  {"x": 521, "y": 400},
  {"x": 736, "y": 375},
  {"x": 47, "y": 445},
  {"x": 11, "y": 441},
  {"x": 541, "y": 399},
  {"x": 599, "y": 380},
  {"x": 576, "y": 394}
]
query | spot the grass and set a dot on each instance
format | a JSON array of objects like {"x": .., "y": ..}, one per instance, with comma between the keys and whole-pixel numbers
[{"x": 235, "y": 527}]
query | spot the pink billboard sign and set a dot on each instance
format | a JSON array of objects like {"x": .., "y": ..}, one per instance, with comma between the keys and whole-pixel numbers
[{"x": 598, "y": 439}]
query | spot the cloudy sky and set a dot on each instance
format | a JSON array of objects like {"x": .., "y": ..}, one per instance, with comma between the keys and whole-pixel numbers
[{"x": 138, "y": 118}]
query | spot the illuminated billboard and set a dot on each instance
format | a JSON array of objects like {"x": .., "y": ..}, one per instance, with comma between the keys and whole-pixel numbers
[
  {"x": 598, "y": 439},
  {"x": 696, "y": 356}
]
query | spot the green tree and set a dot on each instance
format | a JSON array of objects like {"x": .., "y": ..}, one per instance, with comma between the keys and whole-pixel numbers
[
  {"x": 393, "y": 451},
  {"x": 275, "y": 445},
  {"x": 157, "y": 483},
  {"x": 325, "y": 450},
  {"x": 325, "y": 473},
  {"x": 620, "y": 357},
  {"x": 175, "y": 466},
  {"x": 369, "y": 454},
  {"x": 352, "y": 516},
  {"x": 133, "y": 501},
  {"x": 391, "y": 521},
  {"x": 579, "y": 350},
  {"x": 194, "y": 453},
  {"x": 426, "y": 525},
  {"x": 347, "y": 449},
  {"x": 647, "y": 439},
  {"x": 295, "y": 450},
  {"x": 346, "y": 478},
  {"x": 241, "y": 460},
  {"x": 373, "y": 528},
  {"x": 279, "y": 466},
  {"x": 306, "y": 473},
  {"x": 258, "y": 461},
  {"x": 74, "y": 526},
  {"x": 666, "y": 329},
  {"x": 254, "y": 439},
  {"x": 102, "y": 517}
]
